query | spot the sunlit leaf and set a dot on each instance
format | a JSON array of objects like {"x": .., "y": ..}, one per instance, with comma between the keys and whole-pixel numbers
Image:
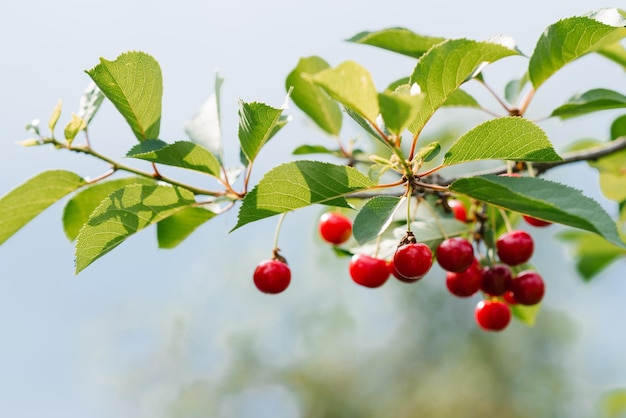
[
  {"x": 541, "y": 199},
  {"x": 56, "y": 114},
  {"x": 134, "y": 84},
  {"x": 123, "y": 213},
  {"x": 460, "y": 98},
  {"x": 297, "y": 184},
  {"x": 400, "y": 40},
  {"x": 174, "y": 229},
  {"x": 613, "y": 404},
  {"x": 24, "y": 203},
  {"x": 507, "y": 138},
  {"x": 83, "y": 203},
  {"x": 398, "y": 110},
  {"x": 258, "y": 123},
  {"x": 526, "y": 314},
  {"x": 182, "y": 154},
  {"x": 615, "y": 52},
  {"x": 74, "y": 126},
  {"x": 374, "y": 217},
  {"x": 310, "y": 98},
  {"x": 572, "y": 38}
]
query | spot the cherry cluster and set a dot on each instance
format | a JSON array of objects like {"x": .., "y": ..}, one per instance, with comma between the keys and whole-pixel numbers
[{"x": 502, "y": 282}]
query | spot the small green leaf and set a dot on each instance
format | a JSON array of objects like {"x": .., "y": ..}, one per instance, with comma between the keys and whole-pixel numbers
[
  {"x": 205, "y": 127},
  {"x": 24, "y": 203},
  {"x": 123, "y": 213},
  {"x": 56, "y": 114},
  {"x": 398, "y": 110},
  {"x": 514, "y": 88},
  {"x": 258, "y": 123},
  {"x": 352, "y": 86},
  {"x": 461, "y": 98},
  {"x": 90, "y": 102},
  {"x": 618, "y": 127},
  {"x": 428, "y": 152},
  {"x": 182, "y": 154},
  {"x": 400, "y": 40},
  {"x": 174, "y": 229},
  {"x": 82, "y": 204},
  {"x": 572, "y": 38},
  {"x": 310, "y": 98},
  {"x": 590, "y": 101},
  {"x": 592, "y": 253},
  {"x": 315, "y": 149},
  {"x": 542, "y": 199},
  {"x": 374, "y": 217},
  {"x": 298, "y": 184},
  {"x": 72, "y": 129},
  {"x": 134, "y": 84},
  {"x": 506, "y": 138},
  {"x": 366, "y": 125},
  {"x": 612, "y": 170},
  {"x": 33, "y": 127},
  {"x": 526, "y": 314},
  {"x": 446, "y": 66}
]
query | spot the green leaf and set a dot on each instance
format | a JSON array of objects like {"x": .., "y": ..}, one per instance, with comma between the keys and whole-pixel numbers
[
  {"x": 72, "y": 129},
  {"x": 374, "y": 217},
  {"x": 618, "y": 127},
  {"x": 613, "y": 404},
  {"x": 54, "y": 118},
  {"x": 315, "y": 149},
  {"x": 572, "y": 38},
  {"x": 134, "y": 84},
  {"x": 461, "y": 98},
  {"x": 400, "y": 40},
  {"x": 258, "y": 123},
  {"x": 446, "y": 66},
  {"x": 90, "y": 102},
  {"x": 205, "y": 127},
  {"x": 592, "y": 253},
  {"x": 366, "y": 125},
  {"x": 174, "y": 229},
  {"x": 182, "y": 154},
  {"x": 123, "y": 213},
  {"x": 612, "y": 170},
  {"x": 310, "y": 98},
  {"x": 542, "y": 199},
  {"x": 24, "y": 203},
  {"x": 590, "y": 101},
  {"x": 506, "y": 138},
  {"x": 82, "y": 204},
  {"x": 526, "y": 314},
  {"x": 615, "y": 52},
  {"x": 428, "y": 152},
  {"x": 514, "y": 88},
  {"x": 352, "y": 86},
  {"x": 298, "y": 184},
  {"x": 398, "y": 110}
]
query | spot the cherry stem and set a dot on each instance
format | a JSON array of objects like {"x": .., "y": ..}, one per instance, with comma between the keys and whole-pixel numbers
[
  {"x": 505, "y": 218},
  {"x": 277, "y": 233}
]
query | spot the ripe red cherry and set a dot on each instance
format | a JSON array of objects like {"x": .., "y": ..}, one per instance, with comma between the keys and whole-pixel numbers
[
  {"x": 394, "y": 272},
  {"x": 455, "y": 254},
  {"x": 509, "y": 297},
  {"x": 465, "y": 283},
  {"x": 536, "y": 222},
  {"x": 368, "y": 271},
  {"x": 515, "y": 247},
  {"x": 412, "y": 261},
  {"x": 335, "y": 228},
  {"x": 272, "y": 276},
  {"x": 496, "y": 279},
  {"x": 492, "y": 315},
  {"x": 458, "y": 209},
  {"x": 528, "y": 288}
]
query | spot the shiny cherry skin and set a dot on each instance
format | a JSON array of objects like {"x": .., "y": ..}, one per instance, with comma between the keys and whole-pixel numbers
[
  {"x": 455, "y": 254},
  {"x": 465, "y": 283},
  {"x": 515, "y": 247},
  {"x": 412, "y": 261},
  {"x": 496, "y": 279},
  {"x": 335, "y": 228},
  {"x": 528, "y": 288},
  {"x": 458, "y": 209},
  {"x": 394, "y": 272},
  {"x": 368, "y": 271},
  {"x": 536, "y": 222},
  {"x": 272, "y": 276},
  {"x": 492, "y": 315}
]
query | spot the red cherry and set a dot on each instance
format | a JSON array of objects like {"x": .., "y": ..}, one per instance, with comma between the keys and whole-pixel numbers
[
  {"x": 412, "y": 261},
  {"x": 368, "y": 271},
  {"x": 392, "y": 270},
  {"x": 458, "y": 209},
  {"x": 495, "y": 279},
  {"x": 465, "y": 283},
  {"x": 536, "y": 222},
  {"x": 515, "y": 247},
  {"x": 492, "y": 315},
  {"x": 335, "y": 228},
  {"x": 509, "y": 297},
  {"x": 455, "y": 254},
  {"x": 528, "y": 288},
  {"x": 272, "y": 276}
]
